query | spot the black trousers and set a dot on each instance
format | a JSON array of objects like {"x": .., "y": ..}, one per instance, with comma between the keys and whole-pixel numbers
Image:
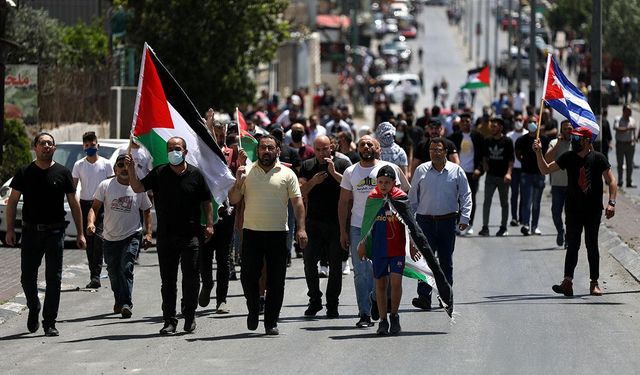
[
  {"x": 473, "y": 185},
  {"x": 575, "y": 222},
  {"x": 220, "y": 244},
  {"x": 35, "y": 245},
  {"x": 94, "y": 242},
  {"x": 174, "y": 250},
  {"x": 323, "y": 238},
  {"x": 259, "y": 247}
]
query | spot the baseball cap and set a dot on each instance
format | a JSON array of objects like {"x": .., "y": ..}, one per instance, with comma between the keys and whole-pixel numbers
[
  {"x": 121, "y": 157},
  {"x": 583, "y": 132},
  {"x": 386, "y": 171}
]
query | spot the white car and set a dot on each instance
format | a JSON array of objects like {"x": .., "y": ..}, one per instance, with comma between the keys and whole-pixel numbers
[
  {"x": 398, "y": 85},
  {"x": 67, "y": 153}
]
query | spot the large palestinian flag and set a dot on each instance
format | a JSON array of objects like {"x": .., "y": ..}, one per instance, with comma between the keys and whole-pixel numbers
[
  {"x": 477, "y": 78},
  {"x": 427, "y": 268},
  {"x": 163, "y": 110}
]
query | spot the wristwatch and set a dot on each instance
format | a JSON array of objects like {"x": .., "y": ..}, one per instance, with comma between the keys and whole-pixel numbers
[{"x": 612, "y": 203}]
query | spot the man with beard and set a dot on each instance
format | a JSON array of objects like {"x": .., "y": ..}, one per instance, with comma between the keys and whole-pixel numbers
[
  {"x": 122, "y": 231},
  {"x": 585, "y": 170},
  {"x": 421, "y": 152},
  {"x": 180, "y": 192},
  {"x": 44, "y": 184},
  {"x": 357, "y": 182},
  {"x": 320, "y": 179},
  {"x": 267, "y": 186}
]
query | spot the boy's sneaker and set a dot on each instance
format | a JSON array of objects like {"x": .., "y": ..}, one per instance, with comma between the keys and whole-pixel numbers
[
  {"x": 383, "y": 327},
  {"x": 525, "y": 230},
  {"x": 565, "y": 287},
  {"x": 222, "y": 308},
  {"x": 484, "y": 231},
  {"x": 375, "y": 314},
  {"x": 502, "y": 232},
  {"x": 594, "y": 289},
  {"x": 364, "y": 322},
  {"x": 394, "y": 319}
]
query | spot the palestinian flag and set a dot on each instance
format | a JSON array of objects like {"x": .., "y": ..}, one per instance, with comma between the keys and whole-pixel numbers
[
  {"x": 247, "y": 142},
  {"x": 427, "y": 268},
  {"x": 477, "y": 78},
  {"x": 163, "y": 110}
]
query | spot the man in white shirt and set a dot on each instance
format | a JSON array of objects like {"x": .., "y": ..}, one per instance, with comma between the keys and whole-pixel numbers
[
  {"x": 90, "y": 171},
  {"x": 357, "y": 182},
  {"x": 121, "y": 232}
]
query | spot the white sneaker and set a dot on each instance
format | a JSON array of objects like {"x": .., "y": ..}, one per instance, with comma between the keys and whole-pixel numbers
[
  {"x": 537, "y": 232},
  {"x": 469, "y": 231},
  {"x": 222, "y": 309},
  {"x": 324, "y": 271},
  {"x": 346, "y": 269}
]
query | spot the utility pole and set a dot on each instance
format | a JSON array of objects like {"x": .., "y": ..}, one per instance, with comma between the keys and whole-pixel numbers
[
  {"x": 510, "y": 27},
  {"x": 533, "y": 55},
  {"x": 596, "y": 64},
  {"x": 470, "y": 11},
  {"x": 495, "y": 53},
  {"x": 478, "y": 32},
  {"x": 486, "y": 31},
  {"x": 519, "y": 42}
]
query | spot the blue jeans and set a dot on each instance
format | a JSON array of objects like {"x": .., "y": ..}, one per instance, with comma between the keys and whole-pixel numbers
[
  {"x": 362, "y": 274},
  {"x": 35, "y": 245},
  {"x": 120, "y": 256},
  {"x": 516, "y": 208},
  {"x": 531, "y": 188},
  {"x": 558, "y": 196},
  {"x": 441, "y": 235}
]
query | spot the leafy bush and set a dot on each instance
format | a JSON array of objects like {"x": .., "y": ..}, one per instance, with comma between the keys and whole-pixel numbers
[{"x": 17, "y": 149}]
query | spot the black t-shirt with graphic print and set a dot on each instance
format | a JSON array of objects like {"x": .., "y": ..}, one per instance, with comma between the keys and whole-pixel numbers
[
  {"x": 499, "y": 153},
  {"x": 584, "y": 192}
]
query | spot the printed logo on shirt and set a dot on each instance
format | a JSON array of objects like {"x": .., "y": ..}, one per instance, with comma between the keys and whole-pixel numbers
[
  {"x": 366, "y": 184},
  {"x": 495, "y": 152},
  {"x": 122, "y": 204}
]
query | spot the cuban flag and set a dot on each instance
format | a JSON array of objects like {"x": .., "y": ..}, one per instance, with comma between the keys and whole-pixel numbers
[{"x": 561, "y": 95}]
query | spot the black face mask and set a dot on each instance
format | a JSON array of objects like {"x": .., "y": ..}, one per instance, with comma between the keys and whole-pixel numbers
[
  {"x": 296, "y": 136},
  {"x": 576, "y": 145}
]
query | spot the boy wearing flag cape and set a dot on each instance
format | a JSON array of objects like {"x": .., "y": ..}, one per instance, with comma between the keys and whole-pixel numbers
[{"x": 387, "y": 219}]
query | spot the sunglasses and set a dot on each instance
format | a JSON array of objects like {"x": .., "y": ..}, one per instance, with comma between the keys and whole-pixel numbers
[{"x": 576, "y": 137}]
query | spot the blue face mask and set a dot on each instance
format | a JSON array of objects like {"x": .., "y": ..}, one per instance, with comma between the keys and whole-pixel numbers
[
  {"x": 91, "y": 151},
  {"x": 175, "y": 157},
  {"x": 532, "y": 127}
]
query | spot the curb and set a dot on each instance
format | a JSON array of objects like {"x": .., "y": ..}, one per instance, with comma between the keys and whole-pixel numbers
[{"x": 628, "y": 258}]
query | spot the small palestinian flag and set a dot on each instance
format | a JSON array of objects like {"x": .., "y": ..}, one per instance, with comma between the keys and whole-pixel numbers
[
  {"x": 163, "y": 110},
  {"x": 247, "y": 142},
  {"x": 477, "y": 78}
]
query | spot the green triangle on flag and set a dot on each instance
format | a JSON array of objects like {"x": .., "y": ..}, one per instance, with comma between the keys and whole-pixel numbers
[{"x": 477, "y": 78}]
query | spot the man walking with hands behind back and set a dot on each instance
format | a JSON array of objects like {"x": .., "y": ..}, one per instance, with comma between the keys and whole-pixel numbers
[
  {"x": 585, "y": 170},
  {"x": 44, "y": 184}
]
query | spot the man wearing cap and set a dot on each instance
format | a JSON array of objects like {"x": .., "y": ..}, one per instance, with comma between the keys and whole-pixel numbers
[
  {"x": 583, "y": 207},
  {"x": 121, "y": 231},
  {"x": 439, "y": 194},
  {"x": 421, "y": 152},
  {"x": 498, "y": 162}
]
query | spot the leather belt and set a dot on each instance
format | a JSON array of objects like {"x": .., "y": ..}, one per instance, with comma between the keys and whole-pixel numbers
[
  {"x": 45, "y": 227},
  {"x": 448, "y": 216}
]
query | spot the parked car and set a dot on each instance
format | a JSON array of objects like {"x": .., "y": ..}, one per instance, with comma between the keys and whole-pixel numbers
[
  {"x": 67, "y": 153},
  {"x": 397, "y": 85}
]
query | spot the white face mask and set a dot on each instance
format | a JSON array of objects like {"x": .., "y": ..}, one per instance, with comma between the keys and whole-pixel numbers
[{"x": 518, "y": 125}]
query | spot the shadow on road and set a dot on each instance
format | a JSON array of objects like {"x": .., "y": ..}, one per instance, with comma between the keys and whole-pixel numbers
[
  {"x": 121, "y": 337},
  {"x": 576, "y": 299},
  {"x": 237, "y": 336},
  {"x": 372, "y": 334}
]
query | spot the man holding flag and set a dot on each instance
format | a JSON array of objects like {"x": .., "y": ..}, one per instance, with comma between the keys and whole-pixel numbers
[{"x": 584, "y": 166}]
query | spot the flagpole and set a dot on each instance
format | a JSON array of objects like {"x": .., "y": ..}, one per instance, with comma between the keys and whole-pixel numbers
[
  {"x": 239, "y": 130},
  {"x": 544, "y": 90}
]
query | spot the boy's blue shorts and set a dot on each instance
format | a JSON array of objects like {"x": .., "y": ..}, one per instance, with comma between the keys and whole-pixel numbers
[{"x": 385, "y": 265}]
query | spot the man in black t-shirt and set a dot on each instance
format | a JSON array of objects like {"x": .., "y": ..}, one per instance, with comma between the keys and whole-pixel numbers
[
  {"x": 421, "y": 152},
  {"x": 44, "y": 185},
  {"x": 583, "y": 209},
  {"x": 498, "y": 163},
  {"x": 179, "y": 192},
  {"x": 320, "y": 179},
  {"x": 531, "y": 180}
]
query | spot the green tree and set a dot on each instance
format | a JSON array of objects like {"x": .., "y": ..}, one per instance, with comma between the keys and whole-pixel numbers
[
  {"x": 38, "y": 35},
  {"x": 210, "y": 46},
  {"x": 85, "y": 45},
  {"x": 622, "y": 31},
  {"x": 17, "y": 149}
]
